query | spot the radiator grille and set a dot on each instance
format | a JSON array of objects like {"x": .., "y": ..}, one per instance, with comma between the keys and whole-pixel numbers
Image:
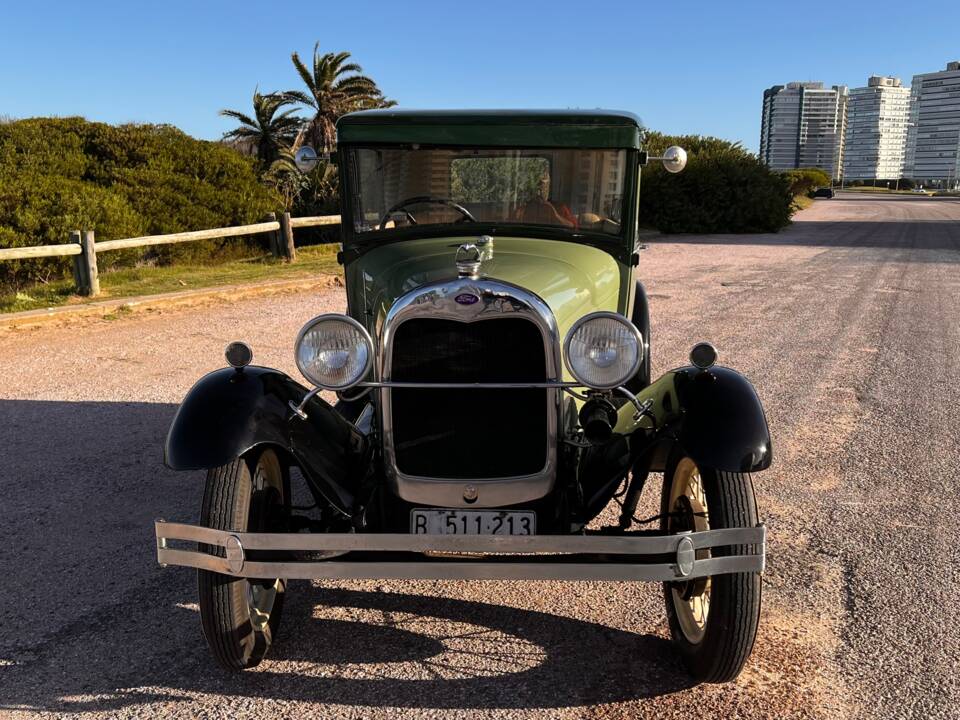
[{"x": 469, "y": 434}]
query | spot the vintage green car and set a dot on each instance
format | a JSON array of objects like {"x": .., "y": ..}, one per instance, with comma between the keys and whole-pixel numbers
[{"x": 493, "y": 376}]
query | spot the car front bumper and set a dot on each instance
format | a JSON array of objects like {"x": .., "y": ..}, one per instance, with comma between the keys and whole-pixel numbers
[{"x": 628, "y": 556}]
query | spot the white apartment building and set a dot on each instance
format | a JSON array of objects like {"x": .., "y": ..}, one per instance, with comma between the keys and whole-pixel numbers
[
  {"x": 804, "y": 125},
  {"x": 878, "y": 116},
  {"x": 933, "y": 141}
]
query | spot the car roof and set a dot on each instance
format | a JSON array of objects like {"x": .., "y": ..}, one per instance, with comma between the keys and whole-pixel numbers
[{"x": 493, "y": 128}]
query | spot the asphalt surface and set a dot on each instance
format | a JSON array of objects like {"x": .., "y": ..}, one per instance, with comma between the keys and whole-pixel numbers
[{"x": 848, "y": 323}]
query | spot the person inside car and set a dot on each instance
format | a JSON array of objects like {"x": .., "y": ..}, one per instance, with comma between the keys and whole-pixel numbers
[{"x": 540, "y": 211}]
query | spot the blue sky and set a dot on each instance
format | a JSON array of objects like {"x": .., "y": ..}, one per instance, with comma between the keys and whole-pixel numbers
[{"x": 684, "y": 67}]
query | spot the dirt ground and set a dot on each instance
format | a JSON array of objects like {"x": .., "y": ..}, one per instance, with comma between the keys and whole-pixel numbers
[{"x": 849, "y": 325}]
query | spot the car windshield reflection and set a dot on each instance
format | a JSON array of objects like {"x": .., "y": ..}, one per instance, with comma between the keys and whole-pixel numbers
[{"x": 578, "y": 190}]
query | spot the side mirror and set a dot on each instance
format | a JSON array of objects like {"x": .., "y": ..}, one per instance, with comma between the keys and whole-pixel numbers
[
  {"x": 306, "y": 159},
  {"x": 674, "y": 159}
]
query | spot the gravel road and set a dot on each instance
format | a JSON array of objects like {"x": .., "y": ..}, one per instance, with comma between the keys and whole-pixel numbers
[{"x": 848, "y": 323}]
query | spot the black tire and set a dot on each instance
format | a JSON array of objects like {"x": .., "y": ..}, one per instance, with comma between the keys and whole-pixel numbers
[
  {"x": 240, "y": 617},
  {"x": 717, "y": 651}
]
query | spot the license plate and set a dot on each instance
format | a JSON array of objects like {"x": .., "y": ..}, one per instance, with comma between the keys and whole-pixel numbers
[{"x": 473, "y": 522}]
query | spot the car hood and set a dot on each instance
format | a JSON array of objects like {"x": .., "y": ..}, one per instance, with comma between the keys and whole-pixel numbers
[{"x": 572, "y": 278}]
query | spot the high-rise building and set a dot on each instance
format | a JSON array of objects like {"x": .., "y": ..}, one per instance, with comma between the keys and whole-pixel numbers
[
  {"x": 876, "y": 139},
  {"x": 780, "y": 126},
  {"x": 803, "y": 125},
  {"x": 933, "y": 141}
]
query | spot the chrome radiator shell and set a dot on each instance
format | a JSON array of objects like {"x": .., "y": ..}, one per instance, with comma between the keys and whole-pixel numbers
[{"x": 495, "y": 299}]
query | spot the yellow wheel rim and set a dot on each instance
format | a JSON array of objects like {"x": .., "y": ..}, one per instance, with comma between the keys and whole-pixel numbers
[
  {"x": 261, "y": 596},
  {"x": 260, "y": 599},
  {"x": 688, "y": 508}
]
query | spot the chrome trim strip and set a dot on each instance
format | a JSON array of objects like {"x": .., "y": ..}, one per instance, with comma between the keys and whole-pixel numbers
[
  {"x": 407, "y": 542},
  {"x": 331, "y": 570},
  {"x": 498, "y": 300},
  {"x": 471, "y": 386},
  {"x": 523, "y": 567}
]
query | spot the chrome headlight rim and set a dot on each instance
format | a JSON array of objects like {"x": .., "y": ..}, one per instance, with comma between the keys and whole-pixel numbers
[
  {"x": 571, "y": 333},
  {"x": 339, "y": 317}
]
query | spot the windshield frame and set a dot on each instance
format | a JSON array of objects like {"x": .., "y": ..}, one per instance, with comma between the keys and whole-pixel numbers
[{"x": 621, "y": 245}]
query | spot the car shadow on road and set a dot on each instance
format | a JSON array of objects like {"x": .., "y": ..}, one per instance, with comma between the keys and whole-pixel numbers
[
  {"x": 405, "y": 651},
  {"x": 97, "y": 626}
]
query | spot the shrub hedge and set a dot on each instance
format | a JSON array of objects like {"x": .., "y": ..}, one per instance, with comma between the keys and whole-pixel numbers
[
  {"x": 63, "y": 174},
  {"x": 805, "y": 180},
  {"x": 724, "y": 189}
]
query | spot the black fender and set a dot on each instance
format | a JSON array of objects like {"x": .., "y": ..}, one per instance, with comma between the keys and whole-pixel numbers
[
  {"x": 714, "y": 416},
  {"x": 230, "y": 412}
]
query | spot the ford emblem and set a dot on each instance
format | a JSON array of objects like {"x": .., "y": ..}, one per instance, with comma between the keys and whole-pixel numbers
[{"x": 466, "y": 298}]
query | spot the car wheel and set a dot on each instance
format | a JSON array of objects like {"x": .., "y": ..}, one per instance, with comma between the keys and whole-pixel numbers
[
  {"x": 713, "y": 621},
  {"x": 240, "y": 616}
]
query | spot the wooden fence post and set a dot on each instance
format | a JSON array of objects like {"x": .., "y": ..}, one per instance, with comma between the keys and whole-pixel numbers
[
  {"x": 88, "y": 265},
  {"x": 77, "y": 264},
  {"x": 273, "y": 238},
  {"x": 286, "y": 237}
]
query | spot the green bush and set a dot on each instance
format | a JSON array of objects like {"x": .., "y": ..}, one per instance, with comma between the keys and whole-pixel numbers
[
  {"x": 43, "y": 210},
  {"x": 724, "y": 189},
  {"x": 58, "y": 175},
  {"x": 805, "y": 180}
]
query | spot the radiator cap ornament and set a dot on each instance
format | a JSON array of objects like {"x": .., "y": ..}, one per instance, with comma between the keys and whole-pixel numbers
[{"x": 468, "y": 259}]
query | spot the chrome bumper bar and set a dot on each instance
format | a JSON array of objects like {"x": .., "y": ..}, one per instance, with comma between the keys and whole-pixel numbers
[{"x": 661, "y": 558}]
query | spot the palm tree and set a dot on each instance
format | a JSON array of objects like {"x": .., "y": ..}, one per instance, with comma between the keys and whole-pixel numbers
[
  {"x": 269, "y": 131},
  {"x": 284, "y": 176},
  {"x": 334, "y": 88}
]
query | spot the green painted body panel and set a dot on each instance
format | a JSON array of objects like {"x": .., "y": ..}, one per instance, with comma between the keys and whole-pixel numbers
[
  {"x": 493, "y": 128},
  {"x": 572, "y": 278}
]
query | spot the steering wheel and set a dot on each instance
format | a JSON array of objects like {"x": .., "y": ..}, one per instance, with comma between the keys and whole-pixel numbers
[{"x": 423, "y": 199}]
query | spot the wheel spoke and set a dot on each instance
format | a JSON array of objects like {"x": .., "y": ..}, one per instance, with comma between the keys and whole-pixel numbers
[{"x": 688, "y": 507}]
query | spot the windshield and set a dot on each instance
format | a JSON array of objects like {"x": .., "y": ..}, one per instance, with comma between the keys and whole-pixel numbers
[{"x": 580, "y": 190}]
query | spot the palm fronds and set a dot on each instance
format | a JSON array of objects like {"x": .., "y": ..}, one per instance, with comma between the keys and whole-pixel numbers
[
  {"x": 334, "y": 87},
  {"x": 269, "y": 129}
]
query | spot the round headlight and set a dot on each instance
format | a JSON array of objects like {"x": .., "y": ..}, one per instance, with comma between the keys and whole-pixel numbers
[
  {"x": 334, "y": 351},
  {"x": 603, "y": 350}
]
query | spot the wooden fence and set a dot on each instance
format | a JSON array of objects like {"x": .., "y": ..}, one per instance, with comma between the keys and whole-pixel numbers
[{"x": 84, "y": 248}]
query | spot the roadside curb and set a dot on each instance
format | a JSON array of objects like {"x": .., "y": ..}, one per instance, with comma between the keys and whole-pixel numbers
[{"x": 145, "y": 303}]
